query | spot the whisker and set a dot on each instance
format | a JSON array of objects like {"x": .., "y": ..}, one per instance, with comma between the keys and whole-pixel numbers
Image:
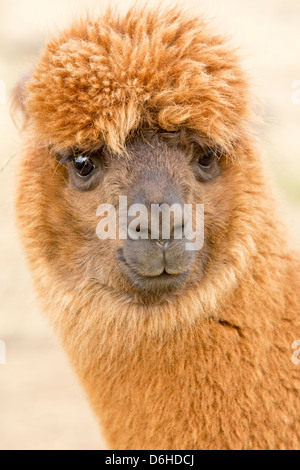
[{"x": 7, "y": 162}]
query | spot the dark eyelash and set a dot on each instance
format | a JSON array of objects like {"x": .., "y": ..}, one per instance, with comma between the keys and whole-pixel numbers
[
  {"x": 220, "y": 151},
  {"x": 217, "y": 151},
  {"x": 65, "y": 159},
  {"x": 163, "y": 131}
]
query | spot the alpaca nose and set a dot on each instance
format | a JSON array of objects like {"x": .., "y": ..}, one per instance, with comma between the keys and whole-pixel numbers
[
  {"x": 163, "y": 244},
  {"x": 163, "y": 218},
  {"x": 156, "y": 247},
  {"x": 158, "y": 221}
]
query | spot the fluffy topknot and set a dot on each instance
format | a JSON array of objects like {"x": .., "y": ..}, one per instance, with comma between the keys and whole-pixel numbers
[{"x": 101, "y": 79}]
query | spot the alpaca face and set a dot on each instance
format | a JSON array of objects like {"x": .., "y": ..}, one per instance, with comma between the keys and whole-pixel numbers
[
  {"x": 155, "y": 112},
  {"x": 157, "y": 168}
]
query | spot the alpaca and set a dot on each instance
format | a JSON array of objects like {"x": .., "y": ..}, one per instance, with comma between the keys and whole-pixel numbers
[{"x": 175, "y": 349}]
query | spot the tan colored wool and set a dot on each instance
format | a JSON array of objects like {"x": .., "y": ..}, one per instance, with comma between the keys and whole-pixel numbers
[{"x": 207, "y": 367}]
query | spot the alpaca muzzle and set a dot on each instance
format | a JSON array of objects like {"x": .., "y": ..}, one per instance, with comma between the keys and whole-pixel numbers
[{"x": 154, "y": 254}]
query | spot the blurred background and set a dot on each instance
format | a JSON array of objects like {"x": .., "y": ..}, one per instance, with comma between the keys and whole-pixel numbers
[{"x": 41, "y": 404}]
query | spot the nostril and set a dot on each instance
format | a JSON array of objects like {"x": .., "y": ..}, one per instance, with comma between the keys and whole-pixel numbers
[{"x": 163, "y": 244}]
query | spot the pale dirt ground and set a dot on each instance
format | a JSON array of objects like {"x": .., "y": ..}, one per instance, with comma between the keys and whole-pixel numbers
[{"x": 41, "y": 404}]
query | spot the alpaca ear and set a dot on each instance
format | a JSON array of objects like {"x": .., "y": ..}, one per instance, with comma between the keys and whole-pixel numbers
[{"x": 18, "y": 108}]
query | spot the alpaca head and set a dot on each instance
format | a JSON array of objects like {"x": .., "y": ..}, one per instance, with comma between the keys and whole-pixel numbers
[{"x": 150, "y": 107}]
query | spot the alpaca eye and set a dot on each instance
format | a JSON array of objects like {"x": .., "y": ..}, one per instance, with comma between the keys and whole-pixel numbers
[
  {"x": 206, "y": 160},
  {"x": 83, "y": 165}
]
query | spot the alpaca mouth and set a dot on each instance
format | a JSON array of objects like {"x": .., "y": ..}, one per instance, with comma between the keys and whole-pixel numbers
[{"x": 152, "y": 284}]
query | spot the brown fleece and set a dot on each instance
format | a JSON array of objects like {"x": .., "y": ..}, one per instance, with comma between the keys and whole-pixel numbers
[{"x": 210, "y": 365}]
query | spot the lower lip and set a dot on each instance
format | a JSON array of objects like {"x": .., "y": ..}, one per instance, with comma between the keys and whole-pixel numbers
[{"x": 164, "y": 280}]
